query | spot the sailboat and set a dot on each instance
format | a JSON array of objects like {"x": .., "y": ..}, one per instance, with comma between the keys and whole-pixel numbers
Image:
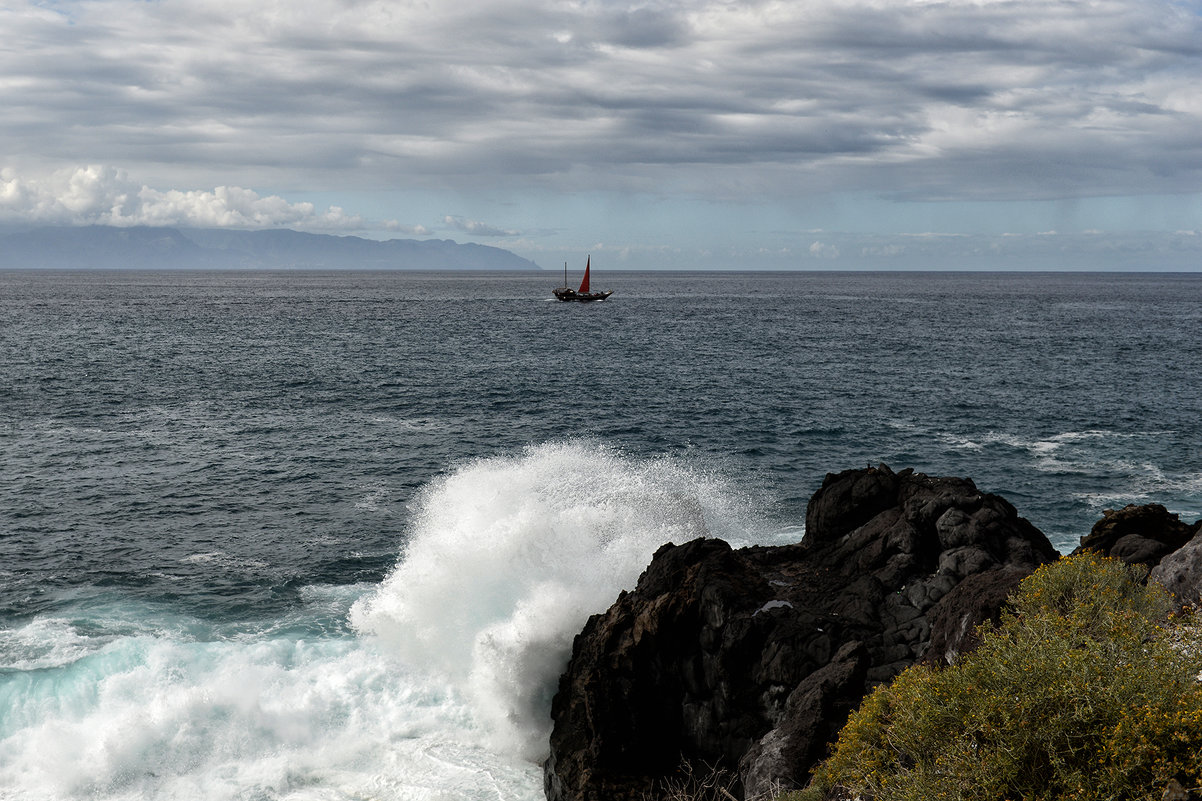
[{"x": 583, "y": 294}]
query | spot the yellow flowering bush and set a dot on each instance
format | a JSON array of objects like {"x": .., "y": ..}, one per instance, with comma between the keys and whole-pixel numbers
[{"x": 1076, "y": 694}]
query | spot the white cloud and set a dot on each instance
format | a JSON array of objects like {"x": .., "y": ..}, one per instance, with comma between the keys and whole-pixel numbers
[
  {"x": 823, "y": 250},
  {"x": 99, "y": 195},
  {"x": 412, "y": 230},
  {"x": 476, "y": 228}
]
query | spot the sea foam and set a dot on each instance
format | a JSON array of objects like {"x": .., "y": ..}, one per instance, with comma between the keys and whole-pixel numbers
[
  {"x": 507, "y": 557},
  {"x": 235, "y": 714},
  {"x": 441, "y": 691}
]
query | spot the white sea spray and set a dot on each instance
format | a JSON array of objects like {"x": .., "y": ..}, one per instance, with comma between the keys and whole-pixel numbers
[{"x": 508, "y": 557}]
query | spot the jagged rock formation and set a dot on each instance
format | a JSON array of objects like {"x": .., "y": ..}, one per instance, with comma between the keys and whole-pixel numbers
[
  {"x": 1141, "y": 535},
  {"x": 1150, "y": 535},
  {"x": 752, "y": 659},
  {"x": 977, "y": 598}
]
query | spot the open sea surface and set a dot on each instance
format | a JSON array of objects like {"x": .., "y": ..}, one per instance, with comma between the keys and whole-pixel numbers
[{"x": 329, "y": 535}]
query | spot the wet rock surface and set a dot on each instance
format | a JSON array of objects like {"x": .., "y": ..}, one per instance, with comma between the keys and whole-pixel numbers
[{"x": 750, "y": 660}]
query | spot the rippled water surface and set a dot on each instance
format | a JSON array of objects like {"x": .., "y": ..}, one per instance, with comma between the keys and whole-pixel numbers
[{"x": 209, "y": 475}]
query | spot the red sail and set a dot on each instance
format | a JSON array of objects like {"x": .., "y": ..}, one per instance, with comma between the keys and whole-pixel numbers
[{"x": 584, "y": 284}]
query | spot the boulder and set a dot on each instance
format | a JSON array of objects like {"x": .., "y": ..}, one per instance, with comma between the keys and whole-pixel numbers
[
  {"x": 750, "y": 660},
  {"x": 1138, "y": 534},
  {"x": 814, "y": 713},
  {"x": 974, "y": 600},
  {"x": 1181, "y": 571}
]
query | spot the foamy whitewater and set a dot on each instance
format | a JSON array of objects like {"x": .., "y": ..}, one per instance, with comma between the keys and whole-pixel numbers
[
  {"x": 330, "y": 535},
  {"x": 441, "y": 691}
]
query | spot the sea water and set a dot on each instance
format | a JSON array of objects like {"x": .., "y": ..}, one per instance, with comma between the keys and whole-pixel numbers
[{"x": 329, "y": 535}]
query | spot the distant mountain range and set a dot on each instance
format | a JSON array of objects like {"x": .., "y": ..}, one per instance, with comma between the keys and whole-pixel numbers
[{"x": 145, "y": 248}]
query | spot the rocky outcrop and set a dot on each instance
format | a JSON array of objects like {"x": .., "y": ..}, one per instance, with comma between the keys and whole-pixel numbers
[
  {"x": 813, "y": 715},
  {"x": 1152, "y": 536},
  {"x": 977, "y": 598},
  {"x": 1141, "y": 535},
  {"x": 1181, "y": 571},
  {"x": 751, "y": 659}
]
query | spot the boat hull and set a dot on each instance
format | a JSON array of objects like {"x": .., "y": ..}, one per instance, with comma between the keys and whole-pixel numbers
[{"x": 572, "y": 296}]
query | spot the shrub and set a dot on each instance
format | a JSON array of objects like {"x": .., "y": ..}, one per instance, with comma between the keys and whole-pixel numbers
[
  {"x": 1074, "y": 695},
  {"x": 694, "y": 782}
]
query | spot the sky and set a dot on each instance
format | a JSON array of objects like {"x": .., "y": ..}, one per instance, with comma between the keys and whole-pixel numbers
[{"x": 683, "y": 134}]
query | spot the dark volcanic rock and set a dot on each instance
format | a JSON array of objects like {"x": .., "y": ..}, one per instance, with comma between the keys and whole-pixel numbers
[
  {"x": 1138, "y": 534},
  {"x": 976, "y": 599},
  {"x": 751, "y": 659},
  {"x": 814, "y": 713}
]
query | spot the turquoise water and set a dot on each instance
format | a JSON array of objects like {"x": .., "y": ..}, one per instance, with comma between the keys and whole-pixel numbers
[{"x": 328, "y": 536}]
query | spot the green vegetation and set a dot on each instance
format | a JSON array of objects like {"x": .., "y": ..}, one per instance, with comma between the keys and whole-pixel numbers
[{"x": 1082, "y": 692}]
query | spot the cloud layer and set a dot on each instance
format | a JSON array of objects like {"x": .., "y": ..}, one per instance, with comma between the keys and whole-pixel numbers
[
  {"x": 942, "y": 99},
  {"x": 105, "y": 196}
]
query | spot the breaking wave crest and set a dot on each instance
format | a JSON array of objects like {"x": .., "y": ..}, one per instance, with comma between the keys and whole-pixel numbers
[
  {"x": 438, "y": 689},
  {"x": 507, "y": 557},
  {"x": 140, "y": 703}
]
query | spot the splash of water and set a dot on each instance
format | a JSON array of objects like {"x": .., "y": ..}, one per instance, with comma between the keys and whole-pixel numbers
[
  {"x": 156, "y": 712},
  {"x": 507, "y": 558},
  {"x": 444, "y": 695}
]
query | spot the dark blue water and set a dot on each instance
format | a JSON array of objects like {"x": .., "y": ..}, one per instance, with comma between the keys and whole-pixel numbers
[{"x": 204, "y": 472}]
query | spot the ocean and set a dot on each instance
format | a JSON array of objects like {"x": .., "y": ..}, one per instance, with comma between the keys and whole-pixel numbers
[{"x": 301, "y": 535}]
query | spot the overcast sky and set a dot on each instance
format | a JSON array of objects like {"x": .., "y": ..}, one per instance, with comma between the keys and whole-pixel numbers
[{"x": 695, "y": 133}]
